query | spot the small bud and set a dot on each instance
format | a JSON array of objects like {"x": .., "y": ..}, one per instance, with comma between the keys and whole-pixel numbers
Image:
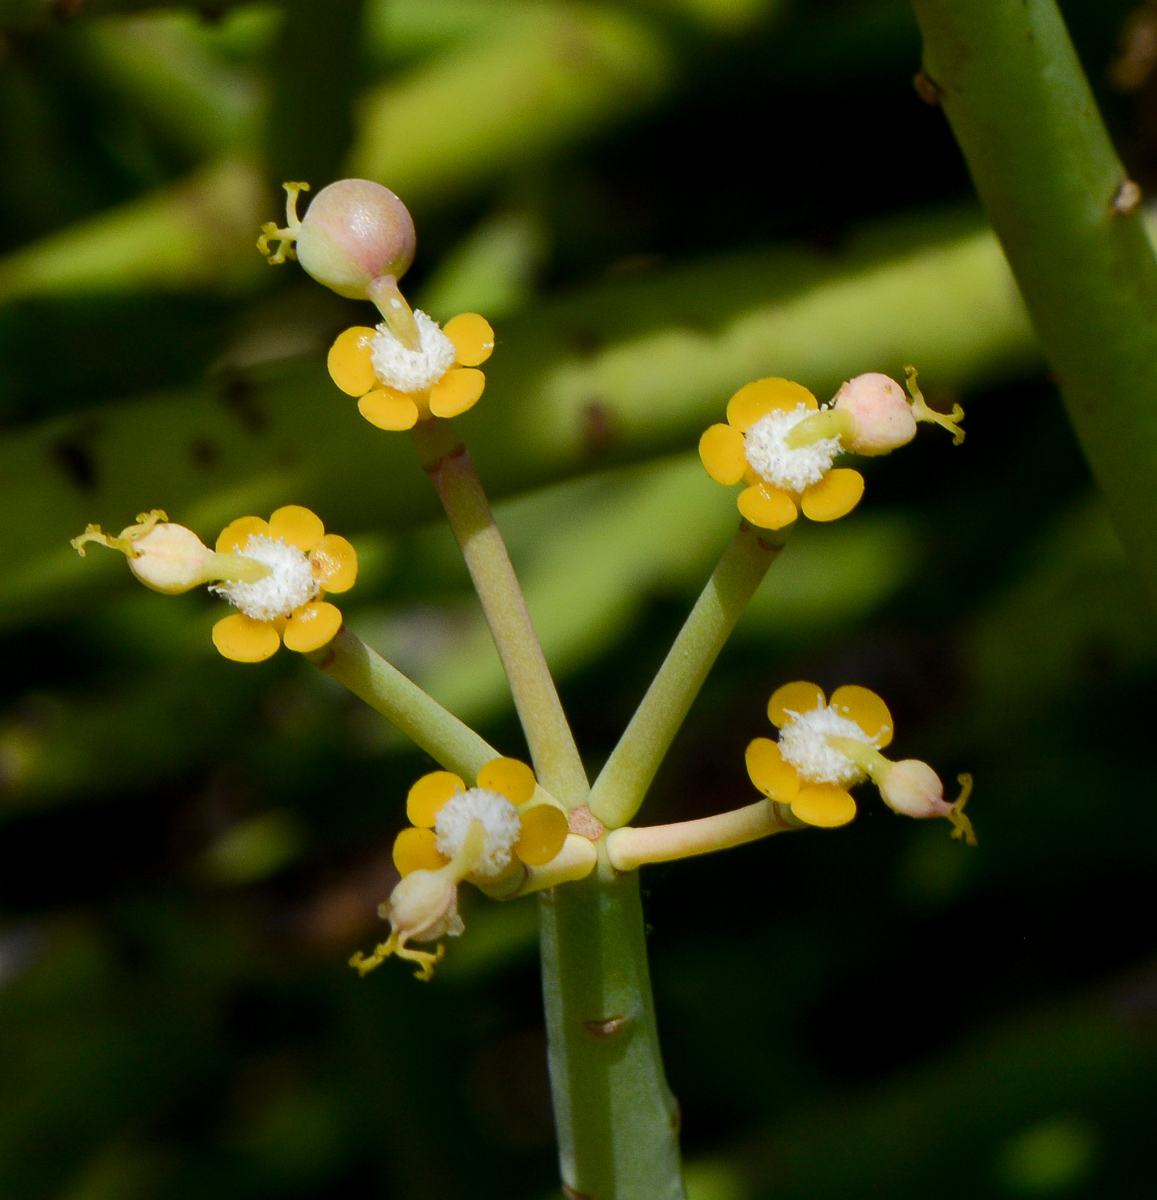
[
  {"x": 911, "y": 787},
  {"x": 355, "y": 232},
  {"x": 883, "y": 415},
  {"x": 424, "y": 907},
  {"x": 168, "y": 558}
]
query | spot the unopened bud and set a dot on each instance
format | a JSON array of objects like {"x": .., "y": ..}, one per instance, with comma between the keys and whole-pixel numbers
[
  {"x": 169, "y": 558},
  {"x": 355, "y": 232},
  {"x": 911, "y": 787},
  {"x": 424, "y": 907},
  {"x": 883, "y": 415}
]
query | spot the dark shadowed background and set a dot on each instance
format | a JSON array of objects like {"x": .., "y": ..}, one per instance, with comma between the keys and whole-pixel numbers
[{"x": 654, "y": 201}]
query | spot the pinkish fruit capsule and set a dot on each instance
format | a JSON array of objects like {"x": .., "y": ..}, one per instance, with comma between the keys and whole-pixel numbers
[
  {"x": 883, "y": 415},
  {"x": 355, "y": 232},
  {"x": 911, "y": 787}
]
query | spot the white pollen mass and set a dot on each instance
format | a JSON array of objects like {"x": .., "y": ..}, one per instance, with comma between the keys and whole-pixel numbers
[
  {"x": 777, "y": 463},
  {"x": 289, "y": 584},
  {"x": 412, "y": 370},
  {"x": 499, "y": 820},
  {"x": 803, "y": 743}
]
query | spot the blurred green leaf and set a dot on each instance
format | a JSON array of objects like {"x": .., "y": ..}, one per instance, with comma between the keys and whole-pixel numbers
[
  {"x": 193, "y": 235},
  {"x": 552, "y": 78}
]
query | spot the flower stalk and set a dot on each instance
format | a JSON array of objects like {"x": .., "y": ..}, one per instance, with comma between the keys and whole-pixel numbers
[
  {"x": 621, "y": 786},
  {"x": 403, "y": 703},
  {"x": 548, "y": 735},
  {"x": 629, "y": 848}
]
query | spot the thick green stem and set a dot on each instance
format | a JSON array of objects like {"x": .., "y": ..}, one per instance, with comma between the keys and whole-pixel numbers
[
  {"x": 619, "y": 790},
  {"x": 552, "y": 746},
  {"x": 421, "y": 718},
  {"x": 617, "y": 1121},
  {"x": 1068, "y": 220}
]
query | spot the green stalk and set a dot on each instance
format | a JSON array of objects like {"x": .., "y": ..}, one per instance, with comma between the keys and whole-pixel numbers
[
  {"x": 421, "y": 718},
  {"x": 619, "y": 790},
  {"x": 616, "y": 1119},
  {"x": 1068, "y": 220},
  {"x": 552, "y": 747},
  {"x": 615, "y": 1116}
]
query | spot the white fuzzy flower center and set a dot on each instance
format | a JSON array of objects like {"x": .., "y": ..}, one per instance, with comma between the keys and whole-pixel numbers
[
  {"x": 412, "y": 370},
  {"x": 779, "y": 464},
  {"x": 499, "y": 819},
  {"x": 803, "y": 742},
  {"x": 289, "y": 584}
]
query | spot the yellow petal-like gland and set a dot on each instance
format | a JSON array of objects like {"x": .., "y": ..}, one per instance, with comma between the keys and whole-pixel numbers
[
  {"x": 311, "y": 626},
  {"x": 544, "y": 830},
  {"x": 769, "y": 773},
  {"x": 834, "y": 496},
  {"x": 869, "y": 712},
  {"x": 508, "y": 777},
  {"x": 756, "y": 400},
  {"x": 722, "y": 452},
  {"x": 335, "y": 563},
  {"x": 350, "y": 361},
  {"x": 767, "y": 507},
  {"x": 472, "y": 337},
  {"x": 457, "y": 391},
  {"x": 824, "y": 804},
  {"x": 297, "y": 526},
  {"x": 799, "y": 697},
  {"x": 243, "y": 639},
  {"x": 238, "y": 532},
  {"x": 388, "y": 409},
  {"x": 416, "y": 850},
  {"x": 428, "y": 795}
]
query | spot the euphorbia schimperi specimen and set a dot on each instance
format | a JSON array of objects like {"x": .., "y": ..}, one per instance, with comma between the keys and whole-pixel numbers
[{"x": 490, "y": 820}]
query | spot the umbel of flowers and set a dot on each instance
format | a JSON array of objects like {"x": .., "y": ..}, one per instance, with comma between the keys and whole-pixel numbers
[
  {"x": 358, "y": 239},
  {"x": 504, "y": 833},
  {"x": 275, "y": 573},
  {"x": 782, "y": 445}
]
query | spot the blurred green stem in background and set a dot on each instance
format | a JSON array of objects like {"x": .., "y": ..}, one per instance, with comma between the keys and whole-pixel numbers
[
  {"x": 619, "y": 790},
  {"x": 1013, "y": 89},
  {"x": 552, "y": 747},
  {"x": 316, "y": 72}
]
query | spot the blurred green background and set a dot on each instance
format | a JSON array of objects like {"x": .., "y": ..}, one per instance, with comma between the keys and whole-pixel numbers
[{"x": 654, "y": 201}]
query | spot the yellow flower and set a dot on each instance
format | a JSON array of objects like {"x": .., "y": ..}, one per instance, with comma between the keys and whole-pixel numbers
[
  {"x": 440, "y": 805},
  {"x": 276, "y": 572},
  {"x": 781, "y": 444},
  {"x": 304, "y": 563},
  {"x": 398, "y": 386},
  {"x": 481, "y": 834},
  {"x": 825, "y": 748}
]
